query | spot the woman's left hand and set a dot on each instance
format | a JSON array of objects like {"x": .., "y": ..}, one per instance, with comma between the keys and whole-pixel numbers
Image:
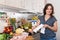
[{"x": 46, "y": 26}]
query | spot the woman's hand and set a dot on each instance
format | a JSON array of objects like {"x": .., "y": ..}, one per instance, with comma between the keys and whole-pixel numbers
[
  {"x": 46, "y": 26},
  {"x": 53, "y": 28}
]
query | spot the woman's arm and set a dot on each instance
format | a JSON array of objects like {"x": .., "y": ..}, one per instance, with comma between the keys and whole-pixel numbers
[{"x": 54, "y": 28}]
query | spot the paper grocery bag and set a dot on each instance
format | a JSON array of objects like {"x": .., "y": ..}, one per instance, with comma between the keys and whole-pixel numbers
[{"x": 29, "y": 38}]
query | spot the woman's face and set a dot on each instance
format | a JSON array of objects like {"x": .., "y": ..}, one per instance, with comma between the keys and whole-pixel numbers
[{"x": 49, "y": 10}]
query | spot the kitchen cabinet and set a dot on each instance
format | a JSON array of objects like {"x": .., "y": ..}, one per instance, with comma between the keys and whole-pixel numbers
[
  {"x": 30, "y": 5},
  {"x": 13, "y": 3},
  {"x": 21, "y": 3},
  {"x": 2, "y": 2}
]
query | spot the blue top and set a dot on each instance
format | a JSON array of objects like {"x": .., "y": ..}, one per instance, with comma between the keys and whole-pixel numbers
[{"x": 48, "y": 33}]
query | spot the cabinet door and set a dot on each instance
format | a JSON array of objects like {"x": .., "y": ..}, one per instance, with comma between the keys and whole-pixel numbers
[
  {"x": 13, "y": 3},
  {"x": 21, "y": 3},
  {"x": 32, "y": 5},
  {"x": 38, "y": 5},
  {"x": 2, "y": 2},
  {"x": 28, "y": 5}
]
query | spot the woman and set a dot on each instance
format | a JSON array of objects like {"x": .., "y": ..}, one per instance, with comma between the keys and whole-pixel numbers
[{"x": 50, "y": 23}]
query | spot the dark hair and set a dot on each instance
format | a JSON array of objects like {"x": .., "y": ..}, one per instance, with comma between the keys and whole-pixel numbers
[{"x": 46, "y": 6}]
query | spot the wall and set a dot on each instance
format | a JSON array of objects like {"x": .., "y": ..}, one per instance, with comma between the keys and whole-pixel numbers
[{"x": 57, "y": 14}]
